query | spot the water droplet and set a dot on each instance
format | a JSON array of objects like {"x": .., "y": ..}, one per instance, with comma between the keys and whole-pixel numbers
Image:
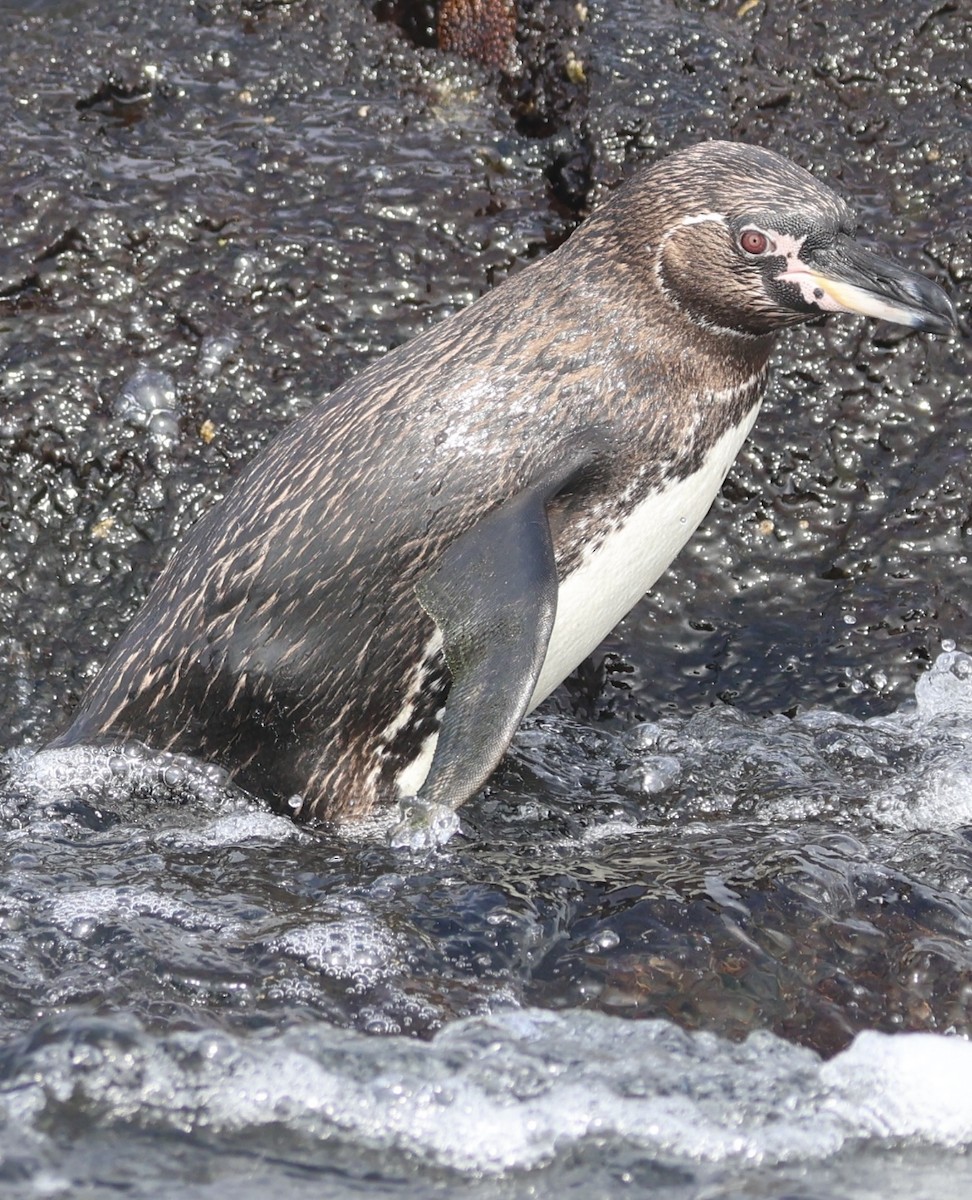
[{"x": 604, "y": 939}]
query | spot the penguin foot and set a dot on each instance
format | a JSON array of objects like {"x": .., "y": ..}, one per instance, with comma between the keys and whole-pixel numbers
[{"x": 423, "y": 825}]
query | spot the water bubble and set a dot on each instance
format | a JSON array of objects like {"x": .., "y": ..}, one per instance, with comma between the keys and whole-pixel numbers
[
  {"x": 643, "y": 737},
  {"x": 356, "y": 946},
  {"x": 604, "y": 939},
  {"x": 653, "y": 775},
  {"x": 423, "y": 825},
  {"x": 947, "y": 687}
]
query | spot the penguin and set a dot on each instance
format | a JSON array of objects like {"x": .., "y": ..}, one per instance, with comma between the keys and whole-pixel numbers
[{"x": 420, "y": 559}]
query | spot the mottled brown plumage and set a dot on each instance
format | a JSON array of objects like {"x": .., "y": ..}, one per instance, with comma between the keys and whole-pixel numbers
[{"x": 290, "y": 637}]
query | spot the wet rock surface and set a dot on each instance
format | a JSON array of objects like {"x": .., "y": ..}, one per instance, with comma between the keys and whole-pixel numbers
[{"x": 213, "y": 213}]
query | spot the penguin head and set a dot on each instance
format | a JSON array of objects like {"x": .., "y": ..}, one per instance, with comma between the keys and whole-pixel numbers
[{"x": 747, "y": 243}]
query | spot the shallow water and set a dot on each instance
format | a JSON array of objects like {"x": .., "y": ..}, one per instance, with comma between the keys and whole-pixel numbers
[
  {"x": 707, "y": 933},
  {"x": 196, "y": 989}
]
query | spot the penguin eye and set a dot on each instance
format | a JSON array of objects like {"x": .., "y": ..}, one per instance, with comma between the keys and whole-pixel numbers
[{"x": 754, "y": 241}]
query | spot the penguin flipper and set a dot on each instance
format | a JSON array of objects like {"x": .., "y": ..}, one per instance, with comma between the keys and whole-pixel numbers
[{"x": 493, "y": 595}]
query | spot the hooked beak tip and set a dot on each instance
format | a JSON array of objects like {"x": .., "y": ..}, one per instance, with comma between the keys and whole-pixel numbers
[{"x": 863, "y": 282}]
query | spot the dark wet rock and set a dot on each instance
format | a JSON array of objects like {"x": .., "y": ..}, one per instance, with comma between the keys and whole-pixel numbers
[{"x": 665, "y": 89}]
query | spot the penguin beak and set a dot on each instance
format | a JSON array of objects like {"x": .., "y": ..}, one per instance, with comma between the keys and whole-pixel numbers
[{"x": 846, "y": 277}]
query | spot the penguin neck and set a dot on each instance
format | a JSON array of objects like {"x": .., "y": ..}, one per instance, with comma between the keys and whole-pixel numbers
[
  {"x": 709, "y": 361},
  {"x": 693, "y": 347}
]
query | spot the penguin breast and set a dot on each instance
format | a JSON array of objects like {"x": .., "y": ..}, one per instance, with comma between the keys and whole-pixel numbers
[{"x": 634, "y": 545}]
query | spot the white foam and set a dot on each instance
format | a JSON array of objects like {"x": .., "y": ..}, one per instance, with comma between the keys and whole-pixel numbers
[
  {"x": 355, "y": 946},
  {"x": 514, "y": 1091},
  {"x": 916, "y": 1085},
  {"x": 83, "y": 910},
  {"x": 112, "y": 773},
  {"x": 234, "y": 829},
  {"x": 911, "y": 770},
  {"x": 946, "y": 689}
]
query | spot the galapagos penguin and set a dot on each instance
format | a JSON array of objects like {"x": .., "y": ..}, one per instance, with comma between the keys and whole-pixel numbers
[{"x": 421, "y": 558}]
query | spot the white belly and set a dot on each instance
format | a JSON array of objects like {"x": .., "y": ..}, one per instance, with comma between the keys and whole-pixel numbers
[{"x": 611, "y": 580}]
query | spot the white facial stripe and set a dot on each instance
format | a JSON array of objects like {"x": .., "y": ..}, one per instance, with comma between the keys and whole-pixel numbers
[
  {"x": 697, "y": 219},
  {"x": 712, "y": 326},
  {"x": 701, "y": 218}
]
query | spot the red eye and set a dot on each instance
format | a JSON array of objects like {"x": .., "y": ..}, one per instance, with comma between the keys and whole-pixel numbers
[{"x": 753, "y": 242}]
